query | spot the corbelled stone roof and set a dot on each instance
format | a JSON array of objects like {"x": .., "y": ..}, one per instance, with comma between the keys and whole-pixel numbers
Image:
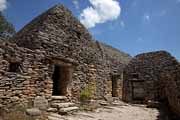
[
  {"x": 58, "y": 29},
  {"x": 115, "y": 54},
  {"x": 57, "y": 23},
  {"x": 156, "y": 76}
]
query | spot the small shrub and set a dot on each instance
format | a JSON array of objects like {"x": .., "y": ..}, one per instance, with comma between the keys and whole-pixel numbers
[{"x": 87, "y": 93}]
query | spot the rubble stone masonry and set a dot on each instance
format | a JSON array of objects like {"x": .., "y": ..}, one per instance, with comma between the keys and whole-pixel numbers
[
  {"x": 56, "y": 41},
  {"x": 153, "y": 76}
]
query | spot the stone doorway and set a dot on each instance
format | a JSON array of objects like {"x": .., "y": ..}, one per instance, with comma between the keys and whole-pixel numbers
[
  {"x": 61, "y": 79},
  {"x": 115, "y": 85},
  {"x": 138, "y": 91}
]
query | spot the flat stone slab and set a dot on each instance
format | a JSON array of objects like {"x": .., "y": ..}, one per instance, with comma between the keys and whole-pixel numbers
[
  {"x": 68, "y": 109},
  {"x": 33, "y": 112},
  {"x": 58, "y": 97},
  {"x": 103, "y": 103},
  {"x": 41, "y": 102},
  {"x": 52, "y": 110},
  {"x": 62, "y": 105}
]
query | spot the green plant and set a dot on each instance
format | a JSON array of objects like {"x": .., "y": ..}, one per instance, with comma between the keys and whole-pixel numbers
[{"x": 88, "y": 92}]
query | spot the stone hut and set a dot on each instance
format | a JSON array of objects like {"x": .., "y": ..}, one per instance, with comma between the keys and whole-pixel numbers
[
  {"x": 153, "y": 76},
  {"x": 54, "y": 55}
]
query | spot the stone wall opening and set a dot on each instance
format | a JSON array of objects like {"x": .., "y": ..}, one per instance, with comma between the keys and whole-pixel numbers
[
  {"x": 14, "y": 67},
  {"x": 138, "y": 91},
  {"x": 115, "y": 85},
  {"x": 61, "y": 79}
]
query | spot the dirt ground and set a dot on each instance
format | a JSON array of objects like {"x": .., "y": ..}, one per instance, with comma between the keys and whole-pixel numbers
[{"x": 120, "y": 112}]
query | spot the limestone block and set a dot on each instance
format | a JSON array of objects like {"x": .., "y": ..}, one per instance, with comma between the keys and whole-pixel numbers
[
  {"x": 33, "y": 112},
  {"x": 41, "y": 103}
]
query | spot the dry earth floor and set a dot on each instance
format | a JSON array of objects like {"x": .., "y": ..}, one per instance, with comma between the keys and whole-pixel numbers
[{"x": 120, "y": 111}]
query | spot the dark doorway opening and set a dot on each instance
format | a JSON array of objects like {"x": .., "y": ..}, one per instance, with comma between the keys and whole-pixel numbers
[
  {"x": 60, "y": 80},
  {"x": 115, "y": 91},
  {"x": 15, "y": 67},
  {"x": 138, "y": 91}
]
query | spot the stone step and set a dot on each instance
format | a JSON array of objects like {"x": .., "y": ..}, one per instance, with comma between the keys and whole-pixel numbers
[
  {"x": 58, "y": 97},
  {"x": 58, "y": 101},
  {"x": 68, "y": 109},
  {"x": 33, "y": 112},
  {"x": 62, "y": 105},
  {"x": 52, "y": 110}
]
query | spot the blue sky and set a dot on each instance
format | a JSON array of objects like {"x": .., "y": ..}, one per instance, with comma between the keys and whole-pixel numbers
[{"x": 141, "y": 26}]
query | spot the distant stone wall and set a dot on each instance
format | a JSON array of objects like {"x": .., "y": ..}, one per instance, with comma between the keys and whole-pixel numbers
[{"x": 152, "y": 76}]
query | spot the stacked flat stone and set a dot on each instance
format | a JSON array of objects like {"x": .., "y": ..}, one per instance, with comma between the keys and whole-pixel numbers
[
  {"x": 159, "y": 72},
  {"x": 55, "y": 35}
]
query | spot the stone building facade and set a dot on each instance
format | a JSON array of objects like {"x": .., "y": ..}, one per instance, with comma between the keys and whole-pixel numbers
[
  {"x": 55, "y": 55},
  {"x": 153, "y": 76}
]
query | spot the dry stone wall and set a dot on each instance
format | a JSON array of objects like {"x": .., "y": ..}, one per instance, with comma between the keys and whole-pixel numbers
[
  {"x": 60, "y": 34},
  {"x": 56, "y": 37},
  {"x": 170, "y": 80},
  {"x": 26, "y": 78},
  {"x": 153, "y": 76}
]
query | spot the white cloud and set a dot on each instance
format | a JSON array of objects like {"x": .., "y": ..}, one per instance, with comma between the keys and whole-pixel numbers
[
  {"x": 101, "y": 11},
  {"x": 3, "y": 5},
  {"x": 76, "y": 3}
]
